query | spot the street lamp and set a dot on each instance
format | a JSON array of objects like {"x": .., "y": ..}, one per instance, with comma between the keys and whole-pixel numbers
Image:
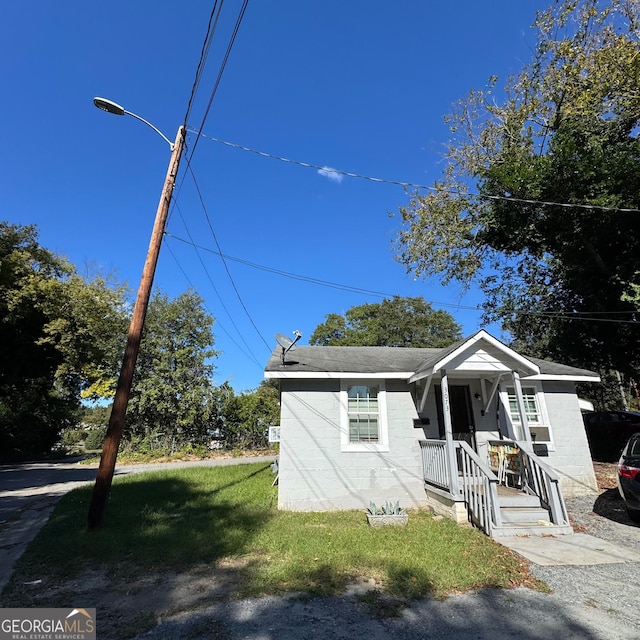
[
  {"x": 104, "y": 477},
  {"x": 113, "y": 107}
]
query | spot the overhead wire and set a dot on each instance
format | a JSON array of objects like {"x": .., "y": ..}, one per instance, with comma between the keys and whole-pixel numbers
[
  {"x": 407, "y": 184},
  {"x": 211, "y": 28},
  {"x": 220, "y": 72},
  {"x": 214, "y": 16},
  {"x": 561, "y": 315},
  {"x": 226, "y": 266},
  {"x": 249, "y": 355}
]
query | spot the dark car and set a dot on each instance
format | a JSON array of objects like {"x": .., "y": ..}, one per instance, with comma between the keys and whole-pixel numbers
[
  {"x": 629, "y": 477},
  {"x": 608, "y": 432}
]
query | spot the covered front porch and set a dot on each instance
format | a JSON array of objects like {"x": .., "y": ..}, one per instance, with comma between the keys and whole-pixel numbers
[
  {"x": 480, "y": 459},
  {"x": 467, "y": 489}
]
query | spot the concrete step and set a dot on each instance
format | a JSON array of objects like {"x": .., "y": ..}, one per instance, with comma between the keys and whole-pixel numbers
[
  {"x": 531, "y": 515},
  {"x": 518, "y": 499},
  {"x": 524, "y": 529}
]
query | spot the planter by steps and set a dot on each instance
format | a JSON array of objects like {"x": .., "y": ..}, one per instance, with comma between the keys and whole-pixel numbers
[{"x": 384, "y": 520}]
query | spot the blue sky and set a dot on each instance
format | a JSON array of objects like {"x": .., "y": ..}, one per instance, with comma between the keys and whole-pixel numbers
[{"x": 357, "y": 86}]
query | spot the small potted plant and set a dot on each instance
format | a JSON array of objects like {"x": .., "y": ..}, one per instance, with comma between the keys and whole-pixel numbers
[{"x": 387, "y": 514}]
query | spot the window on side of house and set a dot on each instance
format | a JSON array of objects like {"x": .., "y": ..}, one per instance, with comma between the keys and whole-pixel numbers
[
  {"x": 533, "y": 407},
  {"x": 363, "y": 409},
  {"x": 364, "y": 416}
]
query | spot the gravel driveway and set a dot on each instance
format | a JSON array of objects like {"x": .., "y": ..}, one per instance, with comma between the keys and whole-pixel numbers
[{"x": 613, "y": 589}]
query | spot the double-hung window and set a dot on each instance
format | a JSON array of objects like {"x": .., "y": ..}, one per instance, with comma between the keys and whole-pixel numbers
[
  {"x": 364, "y": 416},
  {"x": 534, "y": 411},
  {"x": 364, "y": 412}
]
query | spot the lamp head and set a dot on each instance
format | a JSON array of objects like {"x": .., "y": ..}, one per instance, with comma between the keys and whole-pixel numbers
[{"x": 109, "y": 106}]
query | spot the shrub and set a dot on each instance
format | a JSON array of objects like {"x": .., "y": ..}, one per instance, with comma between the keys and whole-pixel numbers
[
  {"x": 71, "y": 437},
  {"x": 94, "y": 439}
]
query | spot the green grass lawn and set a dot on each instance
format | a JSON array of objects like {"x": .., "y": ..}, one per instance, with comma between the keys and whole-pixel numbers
[{"x": 226, "y": 516}]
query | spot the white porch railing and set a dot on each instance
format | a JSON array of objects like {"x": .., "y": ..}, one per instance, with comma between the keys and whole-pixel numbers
[
  {"x": 434, "y": 463},
  {"x": 477, "y": 484},
  {"x": 539, "y": 479}
]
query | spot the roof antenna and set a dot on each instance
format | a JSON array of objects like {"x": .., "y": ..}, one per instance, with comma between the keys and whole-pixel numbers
[{"x": 287, "y": 343}]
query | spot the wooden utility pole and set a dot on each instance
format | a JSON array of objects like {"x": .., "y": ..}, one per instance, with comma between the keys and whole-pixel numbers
[{"x": 104, "y": 478}]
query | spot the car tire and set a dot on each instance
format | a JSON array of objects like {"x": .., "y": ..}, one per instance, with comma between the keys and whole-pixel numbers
[{"x": 634, "y": 515}]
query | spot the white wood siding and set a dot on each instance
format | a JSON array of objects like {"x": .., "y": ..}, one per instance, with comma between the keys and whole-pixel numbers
[{"x": 479, "y": 360}]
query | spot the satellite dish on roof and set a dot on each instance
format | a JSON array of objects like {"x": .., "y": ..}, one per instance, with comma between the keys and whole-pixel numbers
[
  {"x": 284, "y": 341},
  {"x": 287, "y": 343}
]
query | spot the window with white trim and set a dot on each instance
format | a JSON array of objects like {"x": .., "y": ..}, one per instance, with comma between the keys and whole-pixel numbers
[
  {"x": 363, "y": 410},
  {"x": 364, "y": 422},
  {"x": 540, "y": 431}
]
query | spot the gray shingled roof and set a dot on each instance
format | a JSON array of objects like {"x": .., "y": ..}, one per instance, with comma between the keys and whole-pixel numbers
[
  {"x": 555, "y": 369},
  {"x": 349, "y": 359},
  {"x": 391, "y": 360}
]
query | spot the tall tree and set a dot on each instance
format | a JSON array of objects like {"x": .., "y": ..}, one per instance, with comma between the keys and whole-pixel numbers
[
  {"x": 398, "y": 322},
  {"x": 248, "y": 416},
  {"x": 58, "y": 336},
  {"x": 564, "y": 130},
  {"x": 172, "y": 400}
]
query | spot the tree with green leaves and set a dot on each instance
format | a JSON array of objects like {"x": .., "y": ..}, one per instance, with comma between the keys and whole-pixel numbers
[
  {"x": 539, "y": 175},
  {"x": 248, "y": 416},
  {"x": 172, "y": 399},
  {"x": 395, "y": 322},
  {"x": 59, "y": 337}
]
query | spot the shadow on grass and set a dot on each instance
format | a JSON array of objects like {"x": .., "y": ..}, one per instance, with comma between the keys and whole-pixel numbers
[
  {"x": 409, "y": 582},
  {"x": 154, "y": 521}
]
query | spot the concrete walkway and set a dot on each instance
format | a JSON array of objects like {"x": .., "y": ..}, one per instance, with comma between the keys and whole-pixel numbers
[{"x": 574, "y": 549}]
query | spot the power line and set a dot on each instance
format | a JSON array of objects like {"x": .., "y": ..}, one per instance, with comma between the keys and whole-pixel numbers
[
  {"x": 250, "y": 356},
  {"x": 224, "y": 306},
  {"x": 578, "y": 315},
  {"x": 295, "y": 276},
  {"x": 560, "y": 315},
  {"x": 416, "y": 185},
  {"x": 215, "y": 239},
  {"x": 220, "y": 72},
  {"x": 206, "y": 46}
]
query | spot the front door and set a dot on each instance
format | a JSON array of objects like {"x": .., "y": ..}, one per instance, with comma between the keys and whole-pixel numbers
[{"x": 462, "y": 423}]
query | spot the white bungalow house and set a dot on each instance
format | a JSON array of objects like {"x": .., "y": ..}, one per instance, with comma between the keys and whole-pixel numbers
[{"x": 475, "y": 431}]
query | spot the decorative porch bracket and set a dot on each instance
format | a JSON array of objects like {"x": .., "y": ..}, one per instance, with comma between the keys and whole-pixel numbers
[
  {"x": 524, "y": 423},
  {"x": 425, "y": 393},
  {"x": 486, "y": 400}
]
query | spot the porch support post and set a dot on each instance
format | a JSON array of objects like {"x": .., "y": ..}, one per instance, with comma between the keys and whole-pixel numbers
[
  {"x": 524, "y": 423},
  {"x": 454, "y": 487}
]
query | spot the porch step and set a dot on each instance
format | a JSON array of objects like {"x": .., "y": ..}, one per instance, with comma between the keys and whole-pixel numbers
[
  {"x": 517, "y": 499},
  {"x": 524, "y": 514},
  {"x": 527, "y": 529}
]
